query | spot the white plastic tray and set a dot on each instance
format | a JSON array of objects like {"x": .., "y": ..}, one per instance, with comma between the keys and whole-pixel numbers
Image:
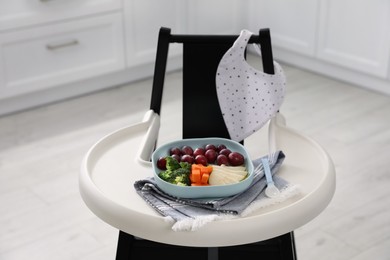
[{"x": 115, "y": 162}]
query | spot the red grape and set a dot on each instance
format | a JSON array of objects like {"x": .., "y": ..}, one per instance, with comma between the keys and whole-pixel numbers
[
  {"x": 186, "y": 150},
  {"x": 211, "y": 155},
  {"x": 162, "y": 163},
  {"x": 210, "y": 146},
  {"x": 201, "y": 159},
  {"x": 175, "y": 150},
  {"x": 225, "y": 151},
  {"x": 187, "y": 158},
  {"x": 198, "y": 151},
  {"x": 222, "y": 159},
  {"x": 176, "y": 156},
  {"x": 236, "y": 159},
  {"x": 221, "y": 147}
]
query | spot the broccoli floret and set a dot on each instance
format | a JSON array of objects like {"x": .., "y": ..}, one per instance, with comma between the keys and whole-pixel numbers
[
  {"x": 183, "y": 180},
  {"x": 176, "y": 173},
  {"x": 167, "y": 176},
  {"x": 182, "y": 177},
  {"x": 185, "y": 165},
  {"x": 172, "y": 163}
]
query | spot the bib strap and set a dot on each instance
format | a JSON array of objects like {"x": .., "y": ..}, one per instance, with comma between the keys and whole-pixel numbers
[{"x": 241, "y": 43}]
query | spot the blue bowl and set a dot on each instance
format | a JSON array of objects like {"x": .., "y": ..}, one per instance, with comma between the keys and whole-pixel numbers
[{"x": 197, "y": 192}]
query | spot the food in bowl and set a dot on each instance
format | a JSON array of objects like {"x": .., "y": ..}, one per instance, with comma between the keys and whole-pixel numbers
[
  {"x": 202, "y": 167},
  {"x": 210, "y": 164}
]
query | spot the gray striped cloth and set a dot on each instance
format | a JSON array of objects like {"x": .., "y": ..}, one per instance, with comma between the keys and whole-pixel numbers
[{"x": 191, "y": 214}]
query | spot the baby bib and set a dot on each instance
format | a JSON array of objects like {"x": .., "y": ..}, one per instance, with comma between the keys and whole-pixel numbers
[{"x": 248, "y": 98}]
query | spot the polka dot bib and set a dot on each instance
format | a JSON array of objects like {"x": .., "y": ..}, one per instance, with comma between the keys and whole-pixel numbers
[{"x": 248, "y": 98}]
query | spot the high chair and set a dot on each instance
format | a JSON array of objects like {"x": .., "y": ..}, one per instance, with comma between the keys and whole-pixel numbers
[{"x": 116, "y": 161}]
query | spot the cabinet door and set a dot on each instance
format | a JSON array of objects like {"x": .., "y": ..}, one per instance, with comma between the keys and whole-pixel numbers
[
  {"x": 292, "y": 23},
  {"x": 355, "y": 34},
  {"x": 48, "y": 56},
  {"x": 17, "y": 13},
  {"x": 143, "y": 20},
  {"x": 215, "y": 17}
]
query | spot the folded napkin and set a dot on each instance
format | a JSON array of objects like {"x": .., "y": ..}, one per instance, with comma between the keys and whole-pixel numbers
[{"x": 191, "y": 214}]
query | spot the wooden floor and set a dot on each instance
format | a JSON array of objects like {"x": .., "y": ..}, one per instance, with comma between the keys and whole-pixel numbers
[{"x": 43, "y": 217}]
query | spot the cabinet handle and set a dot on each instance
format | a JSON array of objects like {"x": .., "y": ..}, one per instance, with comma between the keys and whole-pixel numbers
[{"x": 54, "y": 46}]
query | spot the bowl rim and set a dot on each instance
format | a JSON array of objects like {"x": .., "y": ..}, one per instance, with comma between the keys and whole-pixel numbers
[{"x": 228, "y": 142}]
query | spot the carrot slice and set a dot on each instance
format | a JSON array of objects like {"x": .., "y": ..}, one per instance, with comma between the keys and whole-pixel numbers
[
  {"x": 195, "y": 176},
  {"x": 196, "y": 166},
  {"x": 206, "y": 169},
  {"x": 200, "y": 174},
  {"x": 205, "y": 178}
]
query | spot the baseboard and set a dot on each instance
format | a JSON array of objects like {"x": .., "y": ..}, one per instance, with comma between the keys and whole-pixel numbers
[{"x": 334, "y": 71}]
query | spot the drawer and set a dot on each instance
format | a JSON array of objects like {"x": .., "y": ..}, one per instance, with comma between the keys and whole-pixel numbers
[
  {"x": 17, "y": 13},
  {"x": 48, "y": 56}
]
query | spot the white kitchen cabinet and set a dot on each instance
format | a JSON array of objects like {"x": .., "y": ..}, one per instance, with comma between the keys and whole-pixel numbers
[
  {"x": 19, "y": 13},
  {"x": 55, "y": 49},
  {"x": 344, "y": 39},
  {"x": 143, "y": 20},
  {"x": 49, "y": 48},
  {"x": 293, "y": 23},
  {"x": 355, "y": 34},
  {"x": 215, "y": 17},
  {"x": 51, "y": 55}
]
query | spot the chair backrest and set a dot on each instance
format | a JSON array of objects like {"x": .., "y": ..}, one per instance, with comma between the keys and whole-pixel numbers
[{"x": 202, "y": 115}]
